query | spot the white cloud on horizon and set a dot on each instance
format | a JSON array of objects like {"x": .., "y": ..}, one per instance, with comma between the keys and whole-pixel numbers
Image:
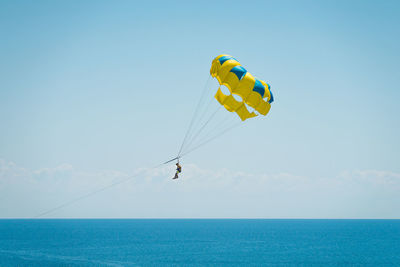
[{"x": 199, "y": 193}]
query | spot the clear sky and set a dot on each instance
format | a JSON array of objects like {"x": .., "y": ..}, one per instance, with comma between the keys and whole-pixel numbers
[{"x": 93, "y": 91}]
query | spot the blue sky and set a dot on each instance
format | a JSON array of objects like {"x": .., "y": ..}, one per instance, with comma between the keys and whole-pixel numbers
[{"x": 91, "y": 88}]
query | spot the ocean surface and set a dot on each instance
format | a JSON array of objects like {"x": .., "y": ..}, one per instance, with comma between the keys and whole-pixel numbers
[{"x": 192, "y": 242}]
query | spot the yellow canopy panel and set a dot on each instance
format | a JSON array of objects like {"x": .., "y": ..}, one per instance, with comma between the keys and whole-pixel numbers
[{"x": 232, "y": 105}]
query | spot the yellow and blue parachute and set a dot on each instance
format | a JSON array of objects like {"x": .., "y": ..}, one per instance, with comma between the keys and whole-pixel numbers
[
  {"x": 254, "y": 92},
  {"x": 246, "y": 96}
]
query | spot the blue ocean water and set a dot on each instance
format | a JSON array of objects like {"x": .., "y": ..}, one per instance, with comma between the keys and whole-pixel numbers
[{"x": 191, "y": 242}]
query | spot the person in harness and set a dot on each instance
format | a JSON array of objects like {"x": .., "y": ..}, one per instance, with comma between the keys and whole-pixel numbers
[{"x": 178, "y": 170}]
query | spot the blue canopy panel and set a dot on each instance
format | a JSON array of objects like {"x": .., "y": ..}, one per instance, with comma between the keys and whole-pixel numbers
[
  {"x": 225, "y": 58},
  {"x": 259, "y": 88},
  {"x": 239, "y": 71},
  {"x": 272, "y": 96}
]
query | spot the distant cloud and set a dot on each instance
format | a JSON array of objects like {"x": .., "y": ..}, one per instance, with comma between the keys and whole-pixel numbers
[
  {"x": 198, "y": 192},
  {"x": 374, "y": 177}
]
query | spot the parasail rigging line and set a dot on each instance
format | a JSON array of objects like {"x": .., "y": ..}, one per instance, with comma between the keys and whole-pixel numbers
[
  {"x": 198, "y": 132},
  {"x": 212, "y": 138},
  {"x": 204, "y": 111},
  {"x": 216, "y": 127},
  {"x": 72, "y": 201},
  {"x": 195, "y": 114}
]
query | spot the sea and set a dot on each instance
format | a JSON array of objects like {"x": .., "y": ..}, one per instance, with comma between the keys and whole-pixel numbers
[{"x": 199, "y": 242}]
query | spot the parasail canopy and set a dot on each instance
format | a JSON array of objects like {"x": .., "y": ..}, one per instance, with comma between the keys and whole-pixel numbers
[
  {"x": 246, "y": 96},
  {"x": 254, "y": 92}
]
